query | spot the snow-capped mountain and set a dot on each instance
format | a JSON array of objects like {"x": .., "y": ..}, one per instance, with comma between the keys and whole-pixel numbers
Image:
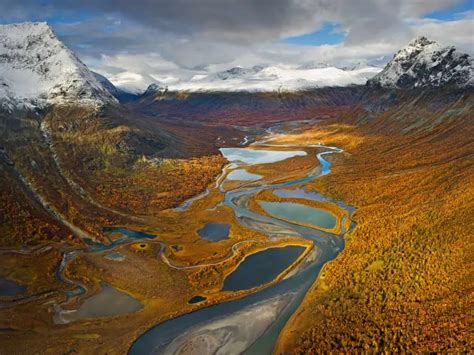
[
  {"x": 155, "y": 88},
  {"x": 278, "y": 77},
  {"x": 37, "y": 69},
  {"x": 425, "y": 63}
]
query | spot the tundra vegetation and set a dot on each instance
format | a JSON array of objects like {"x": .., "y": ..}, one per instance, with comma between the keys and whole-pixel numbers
[{"x": 404, "y": 281}]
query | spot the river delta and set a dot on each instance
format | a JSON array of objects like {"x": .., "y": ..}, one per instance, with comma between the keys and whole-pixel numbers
[{"x": 258, "y": 244}]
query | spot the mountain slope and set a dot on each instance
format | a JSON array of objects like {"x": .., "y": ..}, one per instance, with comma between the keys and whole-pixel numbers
[
  {"x": 425, "y": 63},
  {"x": 69, "y": 149},
  {"x": 37, "y": 69},
  {"x": 404, "y": 280}
]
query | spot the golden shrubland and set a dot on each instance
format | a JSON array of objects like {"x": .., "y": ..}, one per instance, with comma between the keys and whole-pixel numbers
[
  {"x": 404, "y": 281},
  {"x": 150, "y": 188}
]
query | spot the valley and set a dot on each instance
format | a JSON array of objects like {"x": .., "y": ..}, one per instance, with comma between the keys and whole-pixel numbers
[
  {"x": 299, "y": 220},
  {"x": 169, "y": 253}
]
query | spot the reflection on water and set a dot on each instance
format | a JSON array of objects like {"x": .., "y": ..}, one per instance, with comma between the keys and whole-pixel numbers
[
  {"x": 254, "y": 156},
  {"x": 299, "y": 213},
  {"x": 251, "y": 324},
  {"x": 261, "y": 267}
]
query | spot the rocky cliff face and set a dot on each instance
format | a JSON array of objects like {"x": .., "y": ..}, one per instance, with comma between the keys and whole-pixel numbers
[{"x": 425, "y": 63}]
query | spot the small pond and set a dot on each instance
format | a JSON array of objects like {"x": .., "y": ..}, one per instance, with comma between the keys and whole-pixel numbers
[
  {"x": 215, "y": 232},
  {"x": 298, "y": 213},
  {"x": 108, "y": 302},
  {"x": 10, "y": 288},
  {"x": 197, "y": 299},
  {"x": 261, "y": 267}
]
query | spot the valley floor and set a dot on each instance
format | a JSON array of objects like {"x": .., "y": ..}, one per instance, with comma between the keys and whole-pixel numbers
[
  {"x": 155, "y": 272},
  {"x": 403, "y": 282}
]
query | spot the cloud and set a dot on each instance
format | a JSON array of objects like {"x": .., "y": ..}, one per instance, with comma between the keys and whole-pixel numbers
[
  {"x": 257, "y": 21},
  {"x": 458, "y": 32},
  {"x": 247, "y": 21},
  {"x": 415, "y": 8}
]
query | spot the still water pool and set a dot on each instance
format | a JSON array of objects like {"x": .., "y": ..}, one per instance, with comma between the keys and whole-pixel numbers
[
  {"x": 261, "y": 267},
  {"x": 299, "y": 213},
  {"x": 215, "y": 232}
]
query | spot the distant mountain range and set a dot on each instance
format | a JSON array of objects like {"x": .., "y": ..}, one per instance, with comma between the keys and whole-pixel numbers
[
  {"x": 37, "y": 69},
  {"x": 277, "y": 78}
]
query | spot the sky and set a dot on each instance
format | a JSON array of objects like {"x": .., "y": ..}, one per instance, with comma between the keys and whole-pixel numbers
[{"x": 135, "y": 43}]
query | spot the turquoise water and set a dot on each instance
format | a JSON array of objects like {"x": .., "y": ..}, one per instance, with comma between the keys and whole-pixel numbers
[
  {"x": 127, "y": 233},
  {"x": 254, "y": 156},
  {"x": 299, "y": 213},
  {"x": 157, "y": 339},
  {"x": 261, "y": 267},
  {"x": 215, "y": 232},
  {"x": 243, "y": 175}
]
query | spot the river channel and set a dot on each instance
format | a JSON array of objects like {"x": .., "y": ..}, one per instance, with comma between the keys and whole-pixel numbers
[{"x": 252, "y": 324}]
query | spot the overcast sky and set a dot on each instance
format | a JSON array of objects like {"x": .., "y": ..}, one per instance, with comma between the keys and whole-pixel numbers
[{"x": 137, "y": 42}]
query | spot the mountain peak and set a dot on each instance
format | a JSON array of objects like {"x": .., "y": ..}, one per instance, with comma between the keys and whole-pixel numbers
[
  {"x": 426, "y": 63},
  {"x": 37, "y": 69},
  {"x": 155, "y": 88},
  {"x": 28, "y": 28},
  {"x": 238, "y": 72},
  {"x": 420, "y": 41}
]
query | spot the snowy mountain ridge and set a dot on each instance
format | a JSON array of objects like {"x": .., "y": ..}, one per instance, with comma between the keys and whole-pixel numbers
[
  {"x": 277, "y": 77},
  {"x": 37, "y": 69},
  {"x": 425, "y": 63}
]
